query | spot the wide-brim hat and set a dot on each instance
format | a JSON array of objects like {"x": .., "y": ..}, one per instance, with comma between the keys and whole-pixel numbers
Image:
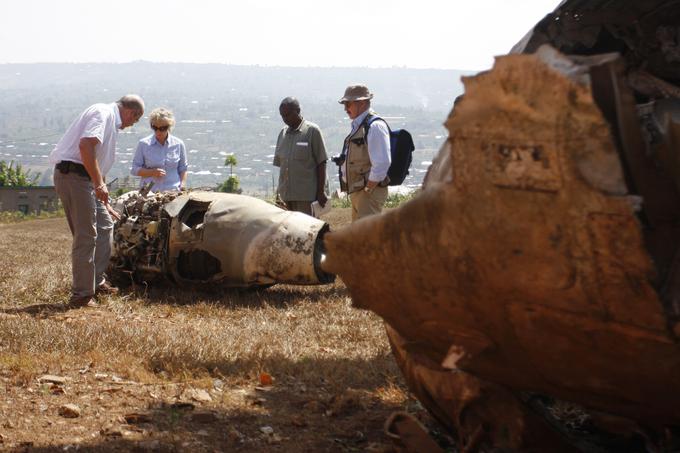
[{"x": 356, "y": 93}]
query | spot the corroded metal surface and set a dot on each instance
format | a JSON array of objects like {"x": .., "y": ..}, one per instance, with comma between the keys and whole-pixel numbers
[
  {"x": 217, "y": 238},
  {"x": 522, "y": 269}
]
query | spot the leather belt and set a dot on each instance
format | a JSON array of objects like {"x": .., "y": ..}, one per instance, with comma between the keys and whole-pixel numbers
[{"x": 66, "y": 166}]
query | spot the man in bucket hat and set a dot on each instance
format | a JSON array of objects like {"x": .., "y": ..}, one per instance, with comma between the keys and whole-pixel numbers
[{"x": 366, "y": 153}]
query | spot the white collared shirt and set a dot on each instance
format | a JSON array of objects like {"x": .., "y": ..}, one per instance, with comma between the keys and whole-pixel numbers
[
  {"x": 100, "y": 121},
  {"x": 378, "y": 142}
]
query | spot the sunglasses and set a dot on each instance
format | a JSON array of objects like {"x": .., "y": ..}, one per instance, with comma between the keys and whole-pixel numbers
[{"x": 160, "y": 128}]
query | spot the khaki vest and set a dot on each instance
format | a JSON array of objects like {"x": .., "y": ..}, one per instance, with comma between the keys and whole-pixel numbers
[{"x": 358, "y": 161}]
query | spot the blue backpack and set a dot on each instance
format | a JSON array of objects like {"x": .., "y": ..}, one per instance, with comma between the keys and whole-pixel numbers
[{"x": 401, "y": 150}]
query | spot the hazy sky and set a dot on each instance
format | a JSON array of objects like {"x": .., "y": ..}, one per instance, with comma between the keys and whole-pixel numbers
[{"x": 453, "y": 34}]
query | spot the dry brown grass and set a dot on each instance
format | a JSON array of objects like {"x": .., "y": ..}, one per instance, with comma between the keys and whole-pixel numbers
[{"x": 163, "y": 341}]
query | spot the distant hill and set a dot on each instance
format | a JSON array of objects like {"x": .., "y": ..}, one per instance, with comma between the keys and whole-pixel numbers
[{"x": 220, "y": 109}]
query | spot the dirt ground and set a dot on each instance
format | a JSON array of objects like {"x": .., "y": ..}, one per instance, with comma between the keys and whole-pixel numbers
[{"x": 291, "y": 369}]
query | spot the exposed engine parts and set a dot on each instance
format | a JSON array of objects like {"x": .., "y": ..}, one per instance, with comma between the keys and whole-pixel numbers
[{"x": 210, "y": 237}]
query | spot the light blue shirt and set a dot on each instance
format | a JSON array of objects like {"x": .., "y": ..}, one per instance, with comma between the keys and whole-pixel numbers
[
  {"x": 172, "y": 157},
  {"x": 378, "y": 142}
]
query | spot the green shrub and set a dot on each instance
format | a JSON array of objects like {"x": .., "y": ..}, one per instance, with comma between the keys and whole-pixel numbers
[
  {"x": 230, "y": 185},
  {"x": 18, "y": 216},
  {"x": 395, "y": 199}
]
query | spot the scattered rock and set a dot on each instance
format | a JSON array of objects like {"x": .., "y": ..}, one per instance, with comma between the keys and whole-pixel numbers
[
  {"x": 268, "y": 430},
  {"x": 202, "y": 432},
  {"x": 53, "y": 379},
  {"x": 274, "y": 439},
  {"x": 56, "y": 389},
  {"x": 100, "y": 376},
  {"x": 200, "y": 395},
  {"x": 218, "y": 384},
  {"x": 111, "y": 431},
  {"x": 69, "y": 411}
]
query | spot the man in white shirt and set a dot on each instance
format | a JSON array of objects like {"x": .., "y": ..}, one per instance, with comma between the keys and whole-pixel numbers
[
  {"x": 82, "y": 158},
  {"x": 366, "y": 154}
]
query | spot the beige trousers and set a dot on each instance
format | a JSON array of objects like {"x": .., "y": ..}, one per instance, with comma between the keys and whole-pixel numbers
[
  {"x": 367, "y": 203},
  {"x": 91, "y": 227}
]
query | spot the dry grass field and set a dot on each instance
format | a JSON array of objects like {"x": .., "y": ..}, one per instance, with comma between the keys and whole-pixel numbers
[{"x": 167, "y": 369}]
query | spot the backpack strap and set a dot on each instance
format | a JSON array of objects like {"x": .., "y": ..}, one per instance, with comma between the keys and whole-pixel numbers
[{"x": 369, "y": 120}]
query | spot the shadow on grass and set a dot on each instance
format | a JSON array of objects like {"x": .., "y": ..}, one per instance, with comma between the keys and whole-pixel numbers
[
  {"x": 293, "y": 415},
  {"x": 37, "y": 309},
  {"x": 278, "y": 295}
]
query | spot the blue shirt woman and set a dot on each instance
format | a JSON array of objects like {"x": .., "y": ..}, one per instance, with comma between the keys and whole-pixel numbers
[{"x": 161, "y": 158}]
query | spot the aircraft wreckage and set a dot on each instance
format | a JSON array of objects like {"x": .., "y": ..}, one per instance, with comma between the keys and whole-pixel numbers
[
  {"x": 216, "y": 239},
  {"x": 531, "y": 291}
]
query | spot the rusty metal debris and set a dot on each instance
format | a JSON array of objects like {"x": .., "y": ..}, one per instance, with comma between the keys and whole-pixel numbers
[
  {"x": 216, "y": 238},
  {"x": 532, "y": 289}
]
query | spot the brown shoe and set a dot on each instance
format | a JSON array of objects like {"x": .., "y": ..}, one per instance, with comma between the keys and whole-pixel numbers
[
  {"x": 106, "y": 288},
  {"x": 82, "y": 301}
]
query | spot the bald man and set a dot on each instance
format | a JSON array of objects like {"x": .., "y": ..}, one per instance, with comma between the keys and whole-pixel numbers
[{"x": 301, "y": 156}]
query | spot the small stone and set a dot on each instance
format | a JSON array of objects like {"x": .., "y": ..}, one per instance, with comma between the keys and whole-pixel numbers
[
  {"x": 53, "y": 379},
  {"x": 268, "y": 430},
  {"x": 274, "y": 439},
  {"x": 69, "y": 411},
  {"x": 218, "y": 384},
  {"x": 200, "y": 395}
]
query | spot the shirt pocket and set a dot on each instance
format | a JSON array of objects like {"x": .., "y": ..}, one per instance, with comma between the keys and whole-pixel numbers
[
  {"x": 301, "y": 151},
  {"x": 172, "y": 158}
]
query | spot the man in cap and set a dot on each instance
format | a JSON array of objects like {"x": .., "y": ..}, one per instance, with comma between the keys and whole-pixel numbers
[
  {"x": 301, "y": 155},
  {"x": 366, "y": 153},
  {"x": 82, "y": 158}
]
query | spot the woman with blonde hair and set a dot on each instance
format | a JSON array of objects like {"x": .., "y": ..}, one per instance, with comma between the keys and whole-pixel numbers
[{"x": 161, "y": 157}]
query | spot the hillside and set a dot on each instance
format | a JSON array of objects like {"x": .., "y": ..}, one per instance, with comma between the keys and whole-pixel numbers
[{"x": 220, "y": 109}]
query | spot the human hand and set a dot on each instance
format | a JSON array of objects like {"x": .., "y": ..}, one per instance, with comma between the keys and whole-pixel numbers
[
  {"x": 158, "y": 173},
  {"x": 101, "y": 192},
  {"x": 112, "y": 212}
]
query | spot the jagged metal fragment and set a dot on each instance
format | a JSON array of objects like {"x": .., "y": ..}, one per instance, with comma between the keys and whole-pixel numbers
[
  {"x": 216, "y": 238},
  {"x": 521, "y": 268}
]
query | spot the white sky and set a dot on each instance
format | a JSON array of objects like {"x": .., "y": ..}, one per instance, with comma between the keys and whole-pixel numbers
[{"x": 453, "y": 34}]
